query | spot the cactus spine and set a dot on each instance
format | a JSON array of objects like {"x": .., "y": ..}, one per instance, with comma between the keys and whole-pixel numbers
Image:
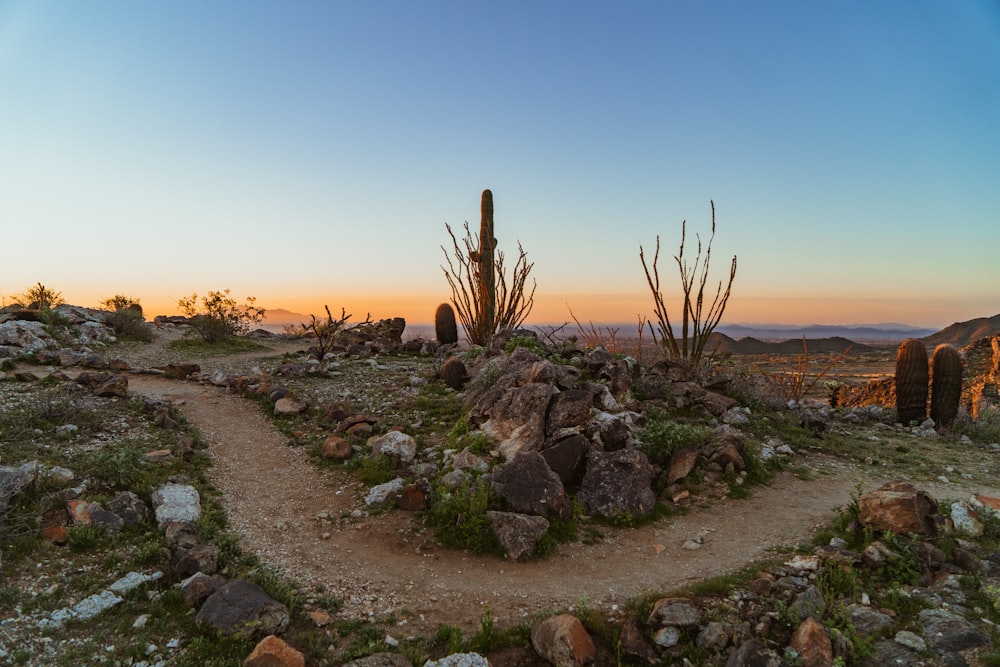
[
  {"x": 946, "y": 385},
  {"x": 445, "y": 328},
  {"x": 912, "y": 374},
  {"x": 487, "y": 279}
]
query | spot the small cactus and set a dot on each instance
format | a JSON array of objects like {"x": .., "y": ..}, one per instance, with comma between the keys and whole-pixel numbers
[
  {"x": 445, "y": 328},
  {"x": 455, "y": 374},
  {"x": 912, "y": 374},
  {"x": 946, "y": 385}
]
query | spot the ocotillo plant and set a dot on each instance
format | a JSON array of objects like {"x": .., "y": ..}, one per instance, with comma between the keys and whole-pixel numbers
[
  {"x": 946, "y": 385},
  {"x": 911, "y": 381},
  {"x": 445, "y": 328}
]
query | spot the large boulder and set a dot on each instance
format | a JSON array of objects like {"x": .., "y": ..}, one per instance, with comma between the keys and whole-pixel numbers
[
  {"x": 517, "y": 420},
  {"x": 563, "y": 641},
  {"x": 243, "y": 609},
  {"x": 618, "y": 483},
  {"x": 901, "y": 508},
  {"x": 28, "y": 336},
  {"x": 518, "y": 533},
  {"x": 530, "y": 486}
]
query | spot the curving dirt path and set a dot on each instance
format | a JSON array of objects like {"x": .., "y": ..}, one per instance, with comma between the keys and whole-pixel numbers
[{"x": 297, "y": 518}]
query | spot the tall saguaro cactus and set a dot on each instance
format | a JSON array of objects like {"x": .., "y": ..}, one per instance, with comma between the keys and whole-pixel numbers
[
  {"x": 946, "y": 385},
  {"x": 487, "y": 249},
  {"x": 486, "y": 298},
  {"x": 912, "y": 374}
]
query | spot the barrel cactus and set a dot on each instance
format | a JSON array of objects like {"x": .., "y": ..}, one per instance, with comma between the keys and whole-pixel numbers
[
  {"x": 946, "y": 385},
  {"x": 912, "y": 375},
  {"x": 445, "y": 327}
]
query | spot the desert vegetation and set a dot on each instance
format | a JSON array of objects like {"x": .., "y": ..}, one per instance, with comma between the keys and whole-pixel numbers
[{"x": 522, "y": 446}]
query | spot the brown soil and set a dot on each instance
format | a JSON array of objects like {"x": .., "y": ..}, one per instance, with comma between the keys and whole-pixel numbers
[{"x": 298, "y": 518}]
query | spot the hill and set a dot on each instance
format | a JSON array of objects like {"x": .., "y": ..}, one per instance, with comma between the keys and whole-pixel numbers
[
  {"x": 723, "y": 344},
  {"x": 961, "y": 334}
]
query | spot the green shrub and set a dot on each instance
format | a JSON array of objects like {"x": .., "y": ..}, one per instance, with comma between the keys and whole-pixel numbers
[
  {"x": 459, "y": 517},
  {"x": 661, "y": 437},
  {"x": 130, "y": 325}
]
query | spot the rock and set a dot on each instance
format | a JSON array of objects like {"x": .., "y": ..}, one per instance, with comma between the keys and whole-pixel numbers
[
  {"x": 381, "y": 660},
  {"x": 808, "y": 603},
  {"x": 383, "y": 493},
  {"x": 202, "y": 558},
  {"x": 889, "y": 652},
  {"x": 58, "y": 535},
  {"x": 199, "y": 586},
  {"x": 466, "y": 460},
  {"x": 752, "y": 653},
  {"x": 634, "y": 642},
  {"x": 812, "y": 644},
  {"x": 965, "y": 519},
  {"x": 176, "y": 502},
  {"x": 618, "y": 483},
  {"x": 336, "y": 448},
  {"x": 563, "y": 641},
  {"x": 289, "y": 405},
  {"x": 667, "y": 637},
  {"x": 455, "y": 373},
  {"x": 113, "y": 385},
  {"x": 180, "y": 371},
  {"x": 568, "y": 409},
  {"x": 682, "y": 462},
  {"x": 459, "y": 660},
  {"x": 222, "y": 378},
  {"x": 679, "y": 612},
  {"x": 530, "y": 486},
  {"x": 28, "y": 336},
  {"x": 518, "y": 533},
  {"x": 947, "y": 632},
  {"x": 911, "y": 641},
  {"x": 713, "y": 636},
  {"x": 566, "y": 458},
  {"x": 396, "y": 445},
  {"x": 517, "y": 420},
  {"x": 901, "y": 508},
  {"x": 414, "y": 497},
  {"x": 242, "y": 609},
  {"x": 868, "y": 621},
  {"x": 105, "y": 520},
  {"x": 272, "y": 651}
]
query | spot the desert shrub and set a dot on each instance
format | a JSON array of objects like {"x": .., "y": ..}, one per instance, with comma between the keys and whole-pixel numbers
[
  {"x": 459, "y": 517},
  {"x": 130, "y": 325},
  {"x": 40, "y": 297},
  {"x": 661, "y": 437},
  {"x": 329, "y": 331},
  {"x": 529, "y": 342},
  {"x": 221, "y": 317}
]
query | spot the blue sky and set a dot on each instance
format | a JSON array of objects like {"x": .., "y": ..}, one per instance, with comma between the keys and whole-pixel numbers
[{"x": 310, "y": 153}]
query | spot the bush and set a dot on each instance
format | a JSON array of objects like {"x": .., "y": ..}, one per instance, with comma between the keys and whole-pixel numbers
[
  {"x": 459, "y": 517},
  {"x": 130, "y": 325},
  {"x": 220, "y": 317},
  {"x": 40, "y": 297},
  {"x": 662, "y": 437}
]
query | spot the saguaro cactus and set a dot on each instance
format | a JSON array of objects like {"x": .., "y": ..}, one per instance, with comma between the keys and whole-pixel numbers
[
  {"x": 445, "y": 328},
  {"x": 912, "y": 374},
  {"x": 946, "y": 385},
  {"x": 487, "y": 278}
]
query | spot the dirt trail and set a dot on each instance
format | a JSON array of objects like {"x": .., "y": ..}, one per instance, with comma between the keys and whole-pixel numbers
[{"x": 383, "y": 563}]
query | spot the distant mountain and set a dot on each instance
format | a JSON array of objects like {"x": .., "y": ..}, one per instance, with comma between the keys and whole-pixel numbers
[
  {"x": 275, "y": 319},
  {"x": 886, "y": 333},
  {"x": 961, "y": 334},
  {"x": 723, "y": 344}
]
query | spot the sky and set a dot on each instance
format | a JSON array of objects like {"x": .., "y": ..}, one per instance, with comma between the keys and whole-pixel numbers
[{"x": 310, "y": 153}]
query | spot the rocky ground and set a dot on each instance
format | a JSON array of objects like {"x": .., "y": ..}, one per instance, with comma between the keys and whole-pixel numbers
[{"x": 307, "y": 518}]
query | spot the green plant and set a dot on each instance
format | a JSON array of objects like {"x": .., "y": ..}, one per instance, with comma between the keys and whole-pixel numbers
[
  {"x": 459, "y": 517},
  {"x": 477, "y": 277},
  {"x": 129, "y": 324},
  {"x": 946, "y": 385},
  {"x": 372, "y": 470},
  {"x": 662, "y": 436},
  {"x": 220, "y": 316},
  {"x": 527, "y": 342},
  {"x": 83, "y": 537},
  {"x": 837, "y": 580},
  {"x": 696, "y": 324},
  {"x": 445, "y": 327},
  {"x": 912, "y": 375}
]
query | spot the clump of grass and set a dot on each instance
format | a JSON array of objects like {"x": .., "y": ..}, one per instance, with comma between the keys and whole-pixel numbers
[
  {"x": 459, "y": 517},
  {"x": 662, "y": 437}
]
